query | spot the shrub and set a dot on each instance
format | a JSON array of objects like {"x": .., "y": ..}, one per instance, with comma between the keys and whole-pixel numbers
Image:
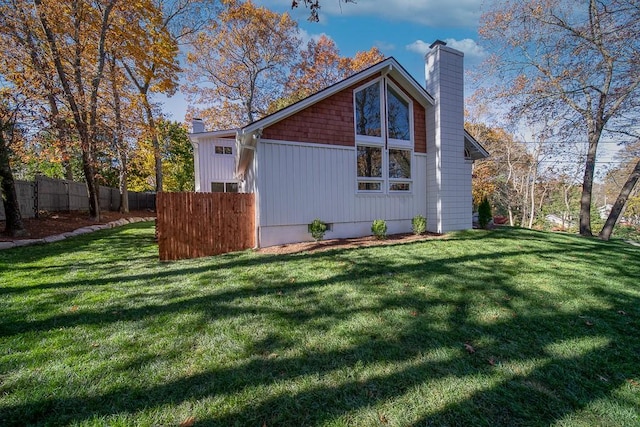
[
  {"x": 419, "y": 224},
  {"x": 484, "y": 213},
  {"x": 379, "y": 228},
  {"x": 317, "y": 229}
]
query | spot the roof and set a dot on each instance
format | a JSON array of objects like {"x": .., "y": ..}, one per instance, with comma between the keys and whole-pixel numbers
[
  {"x": 473, "y": 147},
  {"x": 387, "y": 66}
]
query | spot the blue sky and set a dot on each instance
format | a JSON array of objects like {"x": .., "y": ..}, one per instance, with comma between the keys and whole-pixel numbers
[{"x": 403, "y": 29}]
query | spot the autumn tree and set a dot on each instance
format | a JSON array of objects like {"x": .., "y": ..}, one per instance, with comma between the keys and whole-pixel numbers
[
  {"x": 505, "y": 177},
  {"x": 151, "y": 63},
  {"x": 238, "y": 66},
  {"x": 10, "y": 109},
  {"x": 319, "y": 66},
  {"x": 572, "y": 61},
  {"x": 30, "y": 70},
  {"x": 177, "y": 156},
  {"x": 177, "y": 159}
]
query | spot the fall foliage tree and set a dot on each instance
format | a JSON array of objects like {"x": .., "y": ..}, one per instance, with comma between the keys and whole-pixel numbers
[
  {"x": 10, "y": 108},
  {"x": 572, "y": 61},
  {"x": 319, "y": 66},
  {"x": 239, "y": 64},
  {"x": 152, "y": 64}
]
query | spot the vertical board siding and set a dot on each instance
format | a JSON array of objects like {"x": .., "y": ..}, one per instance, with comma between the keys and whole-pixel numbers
[
  {"x": 215, "y": 167},
  {"x": 192, "y": 225},
  {"x": 304, "y": 182}
]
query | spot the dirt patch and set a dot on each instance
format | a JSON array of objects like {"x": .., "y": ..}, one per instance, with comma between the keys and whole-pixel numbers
[
  {"x": 352, "y": 243},
  {"x": 52, "y": 223}
]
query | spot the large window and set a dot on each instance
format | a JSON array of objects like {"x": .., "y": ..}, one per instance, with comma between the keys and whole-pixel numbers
[
  {"x": 367, "y": 104},
  {"x": 384, "y": 147}
]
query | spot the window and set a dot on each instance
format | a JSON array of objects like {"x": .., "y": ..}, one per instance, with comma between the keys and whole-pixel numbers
[
  {"x": 224, "y": 187},
  {"x": 397, "y": 116},
  {"x": 384, "y": 147},
  {"x": 367, "y": 106},
  {"x": 223, "y": 150},
  {"x": 369, "y": 168}
]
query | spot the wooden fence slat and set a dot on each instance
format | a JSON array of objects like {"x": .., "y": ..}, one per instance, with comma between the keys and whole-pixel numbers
[{"x": 192, "y": 225}]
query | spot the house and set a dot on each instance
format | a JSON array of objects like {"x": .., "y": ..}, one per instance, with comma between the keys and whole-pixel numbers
[{"x": 377, "y": 145}]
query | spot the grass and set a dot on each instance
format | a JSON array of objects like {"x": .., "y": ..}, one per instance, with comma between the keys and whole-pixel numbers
[{"x": 507, "y": 327}]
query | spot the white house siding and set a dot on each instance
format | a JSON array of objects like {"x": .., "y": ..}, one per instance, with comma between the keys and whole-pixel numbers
[
  {"x": 299, "y": 182},
  {"x": 449, "y": 192},
  {"x": 212, "y": 167}
]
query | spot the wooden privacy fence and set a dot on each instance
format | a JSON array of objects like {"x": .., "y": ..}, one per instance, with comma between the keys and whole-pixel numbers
[{"x": 192, "y": 225}]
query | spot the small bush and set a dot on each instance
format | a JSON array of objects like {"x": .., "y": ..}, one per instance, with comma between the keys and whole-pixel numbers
[
  {"x": 419, "y": 224},
  {"x": 317, "y": 229},
  {"x": 379, "y": 228},
  {"x": 484, "y": 213}
]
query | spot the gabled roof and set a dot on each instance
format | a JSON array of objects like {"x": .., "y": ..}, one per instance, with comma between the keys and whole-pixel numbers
[
  {"x": 387, "y": 66},
  {"x": 473, "y": 147}
]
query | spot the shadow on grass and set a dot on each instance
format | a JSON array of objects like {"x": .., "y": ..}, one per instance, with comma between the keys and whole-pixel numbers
[{"x": 558, "y": 387}]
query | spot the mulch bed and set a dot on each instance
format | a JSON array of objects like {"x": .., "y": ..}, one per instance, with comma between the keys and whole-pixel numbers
[{"x": 352, "y": 243}]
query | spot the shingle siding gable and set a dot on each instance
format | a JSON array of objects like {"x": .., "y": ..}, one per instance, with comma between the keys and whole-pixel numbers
[{"x": 331, "y": 122}]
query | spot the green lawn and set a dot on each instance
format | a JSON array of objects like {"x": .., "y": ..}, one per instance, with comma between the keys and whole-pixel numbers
[{"x": 508, "y": 327}]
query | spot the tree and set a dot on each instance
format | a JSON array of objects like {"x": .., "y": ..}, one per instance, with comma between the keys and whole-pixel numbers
[
  {"x": 152, "y": 63},
  {"x": 319, "y": 66},
  {"x": 239, "y": 65},
  {"x": 504, "y": 177},
  {"x": 630, "y": 167},
  {"x": 31, "y": 72},
  {"x": 9, "y": 111},
  {"x": 314, "y": 7},
  {"x": 572, "y": 61},
  {"x": 76, "y": 33},
  {"x": 177, "y": 156}
]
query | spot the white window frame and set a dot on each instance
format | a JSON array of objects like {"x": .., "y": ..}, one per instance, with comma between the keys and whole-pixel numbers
[
  {"x": 370, "y": 140},
  {"x": 384, "y": 142},
  {"x": 392, "y": 142}
]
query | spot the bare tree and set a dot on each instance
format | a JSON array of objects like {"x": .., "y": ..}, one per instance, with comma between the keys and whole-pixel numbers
[{"x": 572, "y": 61}]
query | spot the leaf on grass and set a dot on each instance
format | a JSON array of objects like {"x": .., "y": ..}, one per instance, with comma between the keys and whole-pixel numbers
[
  {"x": 74, "y": 308},
  {"x": 95, "y": 345},
  {"x": 383, "y": 419},
  {"x": 189, "y": 422},
  {"x": 414, "y": 313},
  {"x": 633, "y": 382},
  {"x": 469, "y": 348}
]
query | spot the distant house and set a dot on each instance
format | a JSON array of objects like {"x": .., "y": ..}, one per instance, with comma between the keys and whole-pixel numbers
[{"x": 375, "y": 145}]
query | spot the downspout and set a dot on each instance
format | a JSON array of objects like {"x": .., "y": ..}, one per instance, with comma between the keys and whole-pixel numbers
[{"x": 246, "y": 143}]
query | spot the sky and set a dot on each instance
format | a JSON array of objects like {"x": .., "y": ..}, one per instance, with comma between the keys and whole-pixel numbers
[{"x": 403, "y": 29}]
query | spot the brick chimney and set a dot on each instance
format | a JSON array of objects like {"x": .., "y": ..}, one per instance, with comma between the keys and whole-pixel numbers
[
  {"x": 197, "y": 125},
  {"x": 449, "y": 203}
]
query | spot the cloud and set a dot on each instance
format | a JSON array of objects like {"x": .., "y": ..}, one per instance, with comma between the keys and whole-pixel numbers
[
  {"x": 473, "y": 52},
  {"x": 384, "y": 46},
  {"x": 305, "y": 37},
  {"x": 433, "y": 13}
]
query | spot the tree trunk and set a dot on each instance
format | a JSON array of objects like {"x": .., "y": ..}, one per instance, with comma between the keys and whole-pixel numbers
[
  {"x": 14, "y": 226},
  {"x": 618, "y": 206},
  {"x": 157, "y": 155},
  {"x": 587, "y": 185}
]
